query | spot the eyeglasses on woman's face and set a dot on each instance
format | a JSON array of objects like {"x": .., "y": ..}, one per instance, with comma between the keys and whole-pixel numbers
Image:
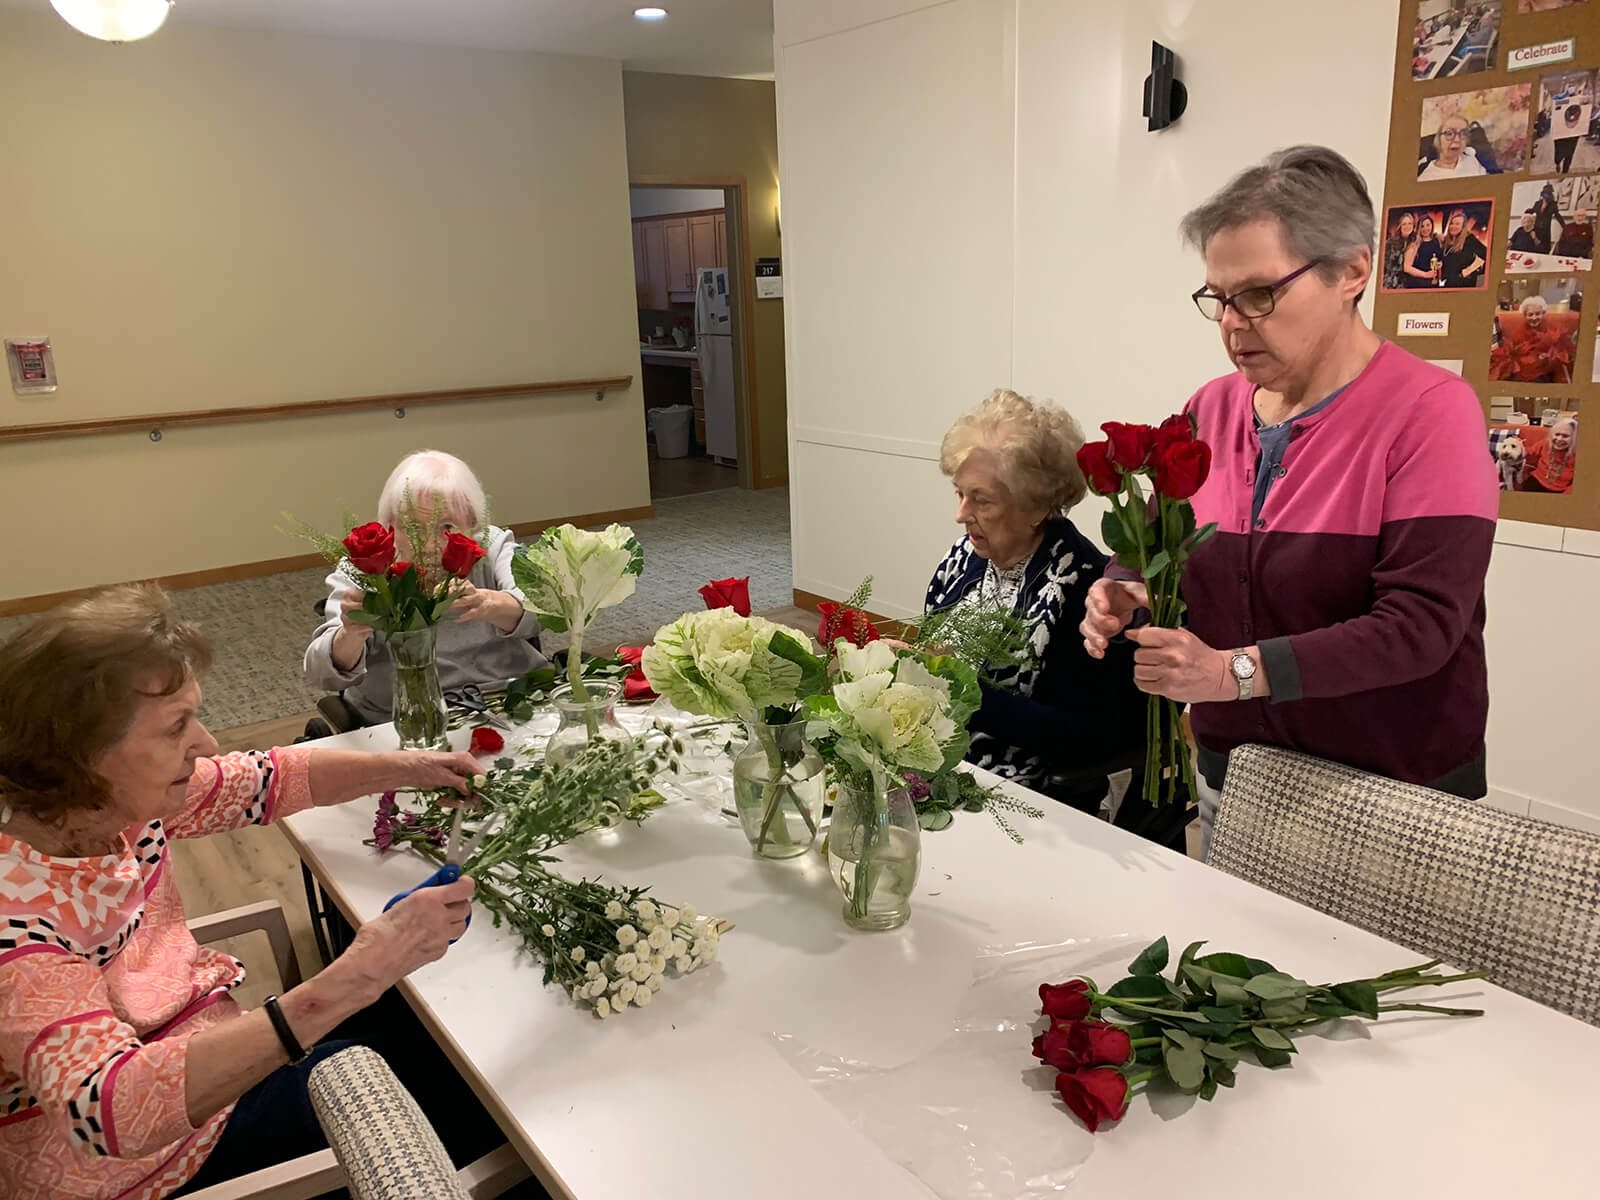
[{"x": 1251, "y": 303}]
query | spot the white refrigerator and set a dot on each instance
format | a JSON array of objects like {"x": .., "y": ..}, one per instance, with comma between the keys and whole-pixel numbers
[{"x": 713, "y": 339}]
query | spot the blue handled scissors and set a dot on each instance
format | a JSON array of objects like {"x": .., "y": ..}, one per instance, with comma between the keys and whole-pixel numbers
[{"x": 454, "y": 855}]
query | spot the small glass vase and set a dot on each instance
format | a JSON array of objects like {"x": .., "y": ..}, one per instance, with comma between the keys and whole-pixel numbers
[
  {"x": 874, "y": 851},
  {"x": 418, "y": 710},
  {"x": 779, "y": 782},
  {"x": 584, "y": 720}
]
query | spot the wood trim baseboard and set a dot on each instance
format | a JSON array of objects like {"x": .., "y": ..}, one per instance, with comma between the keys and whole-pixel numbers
[
  {"x": 153, "y": 423},
  {"x": 295, "y": 562}
]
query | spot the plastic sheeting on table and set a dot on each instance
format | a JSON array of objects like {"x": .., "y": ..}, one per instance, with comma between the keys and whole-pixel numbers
[{"x": 976, "y": 1117}]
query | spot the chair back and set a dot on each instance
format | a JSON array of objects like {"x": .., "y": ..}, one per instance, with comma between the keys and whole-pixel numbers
[{"x": 1455, "y": 879}]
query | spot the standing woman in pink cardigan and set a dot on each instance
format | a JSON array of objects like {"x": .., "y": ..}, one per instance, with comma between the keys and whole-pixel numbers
[{"x": 1340, "y": 609}]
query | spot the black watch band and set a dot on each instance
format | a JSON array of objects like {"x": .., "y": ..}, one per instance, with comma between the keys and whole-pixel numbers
[{"x": 280, "y": 1023}]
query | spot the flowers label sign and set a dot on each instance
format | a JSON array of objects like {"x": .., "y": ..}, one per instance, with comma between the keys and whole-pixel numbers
[{"x": 1154, "y": 536}]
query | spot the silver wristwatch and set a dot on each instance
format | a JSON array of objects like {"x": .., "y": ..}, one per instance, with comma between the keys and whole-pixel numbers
[{"x": 1243, "y": 668}]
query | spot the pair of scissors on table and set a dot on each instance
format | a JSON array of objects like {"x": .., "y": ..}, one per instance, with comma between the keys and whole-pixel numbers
[
  {"x": 454, "y": 855},
  {"x": 471, "y": 698}
]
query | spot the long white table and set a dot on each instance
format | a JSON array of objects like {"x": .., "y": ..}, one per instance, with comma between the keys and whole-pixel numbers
[{"x": 696, "y": 1096}]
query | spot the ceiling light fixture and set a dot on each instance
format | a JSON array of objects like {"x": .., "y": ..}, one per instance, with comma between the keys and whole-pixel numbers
[
  {"x": 114, "y": 20},
  {"x": 650, "y": 14}
]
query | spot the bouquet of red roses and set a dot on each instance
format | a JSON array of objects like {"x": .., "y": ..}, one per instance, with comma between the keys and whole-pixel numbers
[
  {"x": 399, "y": 597},
  {"x": 1154, "y": 535}
]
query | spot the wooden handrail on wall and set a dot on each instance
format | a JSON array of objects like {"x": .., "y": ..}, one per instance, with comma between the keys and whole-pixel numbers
[{"x": 400, "y": 401}]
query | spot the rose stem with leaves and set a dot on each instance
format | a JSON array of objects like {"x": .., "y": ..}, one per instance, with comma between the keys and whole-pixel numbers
[{"x": 778, "y": 776}]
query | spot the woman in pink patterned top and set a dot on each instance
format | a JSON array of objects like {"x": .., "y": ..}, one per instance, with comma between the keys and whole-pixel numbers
[{"x": 122, "y": 1054}]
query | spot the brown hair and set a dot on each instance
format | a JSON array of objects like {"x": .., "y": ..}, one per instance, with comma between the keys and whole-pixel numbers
[
  {"x": 1037, "y": 443},
  {"x": 69, "y": 686}
]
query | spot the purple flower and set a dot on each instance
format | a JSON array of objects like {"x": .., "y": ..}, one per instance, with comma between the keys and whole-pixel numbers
[
  {"x": 383, "y": 832},
  {"x": 407, "y": 820},
  {"x": 917, "y": 786},
  {"x": 386, "y": 805},
  {"x": 434, "y": 834}
]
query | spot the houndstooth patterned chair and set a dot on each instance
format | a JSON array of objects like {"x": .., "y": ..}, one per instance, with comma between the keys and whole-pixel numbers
[{"x": 1450, "y": 878}]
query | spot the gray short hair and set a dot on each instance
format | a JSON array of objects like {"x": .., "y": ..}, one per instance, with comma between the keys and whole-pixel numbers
[
  {"x": 433, "y": 473},
  {"x": 1312, "y": 192}
]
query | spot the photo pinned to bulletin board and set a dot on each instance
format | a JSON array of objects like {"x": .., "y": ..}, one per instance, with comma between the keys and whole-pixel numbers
[
  {"x": 1534, "y": 443},
  {"x": 1495, "y": 131},
  {"x": 1552, "y": 224},
  {"x": 1437, "y": 247},
  {"x": 1455, "y": 37}
]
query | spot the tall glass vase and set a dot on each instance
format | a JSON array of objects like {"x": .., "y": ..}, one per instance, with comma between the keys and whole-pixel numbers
[
  {"x": 874, "y": 851},
  {"x": 779, "y": 783},
  {"x": 418, "y": 709},
  {"x": 586, "y": 718}
]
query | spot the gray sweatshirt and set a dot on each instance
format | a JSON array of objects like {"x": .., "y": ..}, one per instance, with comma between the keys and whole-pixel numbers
[{"x": 468, "y": 651}]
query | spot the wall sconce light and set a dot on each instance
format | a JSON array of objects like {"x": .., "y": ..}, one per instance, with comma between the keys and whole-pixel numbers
[
  {"x": 1164, "y": 97},
  {"x": 114, "y": 20}
]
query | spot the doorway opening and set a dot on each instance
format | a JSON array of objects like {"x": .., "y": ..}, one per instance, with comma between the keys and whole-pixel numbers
[{"x": 689, "y": 239}]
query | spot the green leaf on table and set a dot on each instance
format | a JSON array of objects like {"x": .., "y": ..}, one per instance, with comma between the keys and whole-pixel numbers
[
  {"x": 1189, "y": 952},
  {"x": 1208, "y": 1089},
  {"x": 1273, "y": 1058},
  {"x": 1222, "y": 1053},
  {"x": 935, "y": 819},
  {"x": 1236, "y": 965},
  {"x": 1328, "y": 1010},
  {"x": 1185, "y": 1063},
  {"x": 1182, "y": 1038},
  {"x": 1152, "y": 959},
  {"x": 1278, "y": 1010},
  {"x": 1223, "y": 1073},
  {"x": 1230, "y": 992},
  {"x": 1148, "y": 1055},
  {"x": 1361, "y": 996},
  {"x": 1272, "y": 1039},
  {"x": 1152, "y": 989},
  {"x": 1156, "y": 565},
  {"x": 1275, "y": 985},
  {"x": 1226, "y": 1016}
]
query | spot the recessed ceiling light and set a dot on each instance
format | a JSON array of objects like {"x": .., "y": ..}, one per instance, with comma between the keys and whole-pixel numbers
[{"x": 650, "y": 14}]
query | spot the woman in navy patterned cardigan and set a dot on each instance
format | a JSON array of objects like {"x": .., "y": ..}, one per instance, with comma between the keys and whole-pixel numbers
[{"x": 1058, "y": 721}]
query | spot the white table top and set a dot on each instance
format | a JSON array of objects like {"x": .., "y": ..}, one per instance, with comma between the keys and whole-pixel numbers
[{"x": 694, "y": 1097}]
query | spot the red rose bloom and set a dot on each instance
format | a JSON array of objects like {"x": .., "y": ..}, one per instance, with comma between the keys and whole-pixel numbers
[
  {"x": 1094, "y": 460},
  {"x": 486, "y": 741},
  {"x": 636, "y": 688},
  {"x": 370, "y": 547},
  {"x": 460, "y": 553},
  {"x": 1071, "y": 1045},
  {"x": 1182, "y": 468},
  {"x": 1065, "y": 1001},
  {"x": 1096, "y": 1095},
  {"x": 1130, "y": 445},
  {"x": 839, "y": 621},
  {"x": 728, "y": 593},
  {"x": 396, "y": 570},
  {"x": 1175, "y": 429}
]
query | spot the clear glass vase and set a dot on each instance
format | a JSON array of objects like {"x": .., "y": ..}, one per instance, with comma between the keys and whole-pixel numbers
[
  {"x": 584, "y": 719},
  {"x": 418, "y": 709},
  {"x": 874, "y": 851},
  {"x": 779, "y": 782}
]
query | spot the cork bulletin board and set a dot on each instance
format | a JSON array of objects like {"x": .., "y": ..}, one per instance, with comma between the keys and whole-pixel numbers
[{"x": 1486, "y": 242}]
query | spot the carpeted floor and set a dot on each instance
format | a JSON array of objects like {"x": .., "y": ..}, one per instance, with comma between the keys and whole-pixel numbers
[{"x": 260, "y": 626}]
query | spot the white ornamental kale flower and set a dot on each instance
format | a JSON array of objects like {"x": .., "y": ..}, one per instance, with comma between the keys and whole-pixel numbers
[
  {"x": 627, "y": 935},
  {"x": 659, "y": 938},
  {"x": 614, "y": 911},
  {"x": 577, "y": 954},
  {"x": 642, "y": 997},
  {"x": 602, "y": 1007},
  {"x": 626, "y": 962},
  {"x": 548, "y": 930}
]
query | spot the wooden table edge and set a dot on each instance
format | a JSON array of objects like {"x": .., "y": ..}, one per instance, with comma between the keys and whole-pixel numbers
[{"x": 509, "y": 1126}]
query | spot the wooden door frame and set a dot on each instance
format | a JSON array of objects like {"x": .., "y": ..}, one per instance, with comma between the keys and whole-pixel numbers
[{"x": 750, "y": 473}]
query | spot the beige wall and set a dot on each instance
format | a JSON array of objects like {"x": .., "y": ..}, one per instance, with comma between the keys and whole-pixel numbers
[
  {"x": 216, "y": 218},
  {"x": 688, "y": 127}
]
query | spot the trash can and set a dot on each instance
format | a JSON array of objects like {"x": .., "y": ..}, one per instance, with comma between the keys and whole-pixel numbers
[{"x": 672, "y": 426}]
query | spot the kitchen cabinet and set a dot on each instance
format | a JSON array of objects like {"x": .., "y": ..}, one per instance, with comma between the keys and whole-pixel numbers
[
  {"x": 668, "y": 252},
  {"x": 651, "y": 251},
  {"x": 703, "y": 243},
  {"x": 680, "y": 261}
]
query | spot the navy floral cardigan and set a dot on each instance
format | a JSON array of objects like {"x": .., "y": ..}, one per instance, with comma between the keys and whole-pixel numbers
[{"x": 1060, "y": 721}]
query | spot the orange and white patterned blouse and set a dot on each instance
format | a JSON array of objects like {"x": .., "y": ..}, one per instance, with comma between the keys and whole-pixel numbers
[{"x": 101, "y": 988}]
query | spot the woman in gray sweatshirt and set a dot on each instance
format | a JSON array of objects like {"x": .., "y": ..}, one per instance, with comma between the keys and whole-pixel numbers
[{"x": 486, "y": 639}]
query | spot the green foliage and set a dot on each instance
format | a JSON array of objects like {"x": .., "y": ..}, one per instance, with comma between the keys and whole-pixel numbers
[
  {"x": 953, "y": 791},
  {"x": 987, "y": 637},
  {"x": 859, "y": 597}
]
